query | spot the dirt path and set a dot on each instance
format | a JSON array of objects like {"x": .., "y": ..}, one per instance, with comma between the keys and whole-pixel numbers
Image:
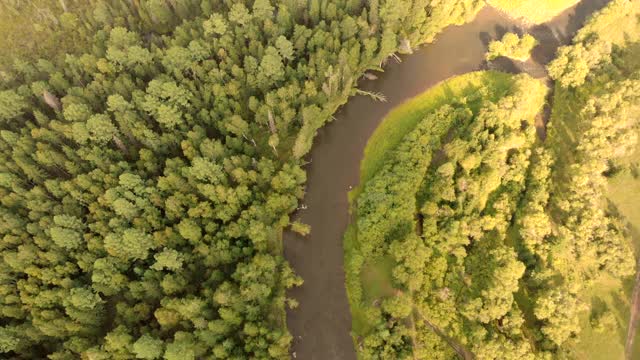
[
  {"x": 321, "y": 324},
  {"x": 634, "y": 318},
  {"x": 463, "y": 353}
]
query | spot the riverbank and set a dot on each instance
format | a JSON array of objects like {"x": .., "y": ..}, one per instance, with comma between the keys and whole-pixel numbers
[
  {"x": 321, "y": 324},
  {"x": 405, "y": 117}
]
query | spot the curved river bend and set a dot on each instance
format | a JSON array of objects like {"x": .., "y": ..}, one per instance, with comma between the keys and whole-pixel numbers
[{"x": 321, "y": 324}]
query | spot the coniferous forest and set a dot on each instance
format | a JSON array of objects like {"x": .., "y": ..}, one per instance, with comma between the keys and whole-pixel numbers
[{"x": 153, "y": 153}]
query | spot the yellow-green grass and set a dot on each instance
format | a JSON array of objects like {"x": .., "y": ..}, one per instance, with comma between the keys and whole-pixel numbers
[
  {"x": 366, "y": 280},
  {"x": 404, "y": 117},
  {"x": 614, "y": 294},
  {"x": 532, "y": 11},
  {"x": 352, "y": 276},
  {"x": 624, "y": 194},
  {"x": 607, "y": 294}
]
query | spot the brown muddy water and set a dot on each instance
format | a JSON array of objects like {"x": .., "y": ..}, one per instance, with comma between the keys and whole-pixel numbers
[{"x": 321, "y": 324}]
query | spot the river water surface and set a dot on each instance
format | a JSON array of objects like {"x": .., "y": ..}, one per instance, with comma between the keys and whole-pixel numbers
[{"x": 321, "y": 324}]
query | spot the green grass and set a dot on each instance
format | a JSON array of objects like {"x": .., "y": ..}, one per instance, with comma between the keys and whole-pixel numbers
[
  {"x": 532, "y": 11},
  {"x": 612, "y": 295},
  {"x": 404, "y": 118},
  {"x": 616, "y": 24},
  {"x": 376, "y": 278},
  {"x": 624, "y": 193}
]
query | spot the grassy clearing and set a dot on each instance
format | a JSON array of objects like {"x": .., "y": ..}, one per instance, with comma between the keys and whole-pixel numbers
[
  {"x": 532, "y": 11},
  {"x": 624, "y": 193},
  {"x": 404, "y": 118},
  {"x": 610, "y": 295},
  {"x": 376, "y": 278}
]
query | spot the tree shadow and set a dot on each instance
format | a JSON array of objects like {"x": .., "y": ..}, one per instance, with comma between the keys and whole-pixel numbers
[
  {"x": 499, "y": 31},
  {"x": 582, "y": 12},
  {"x": 504, "y": 64},
  {"x": 630, "y": 229},
  {"x": 621, "y": 305},
  {"x": 598, "y": 307},
  {"x": 485, "y": 38},
  {"x": 560, "y": 30},
  {"x": 548, "y": 40}
]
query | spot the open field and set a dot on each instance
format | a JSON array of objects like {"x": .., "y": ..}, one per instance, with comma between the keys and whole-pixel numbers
[{"x": 532, "y": 11}]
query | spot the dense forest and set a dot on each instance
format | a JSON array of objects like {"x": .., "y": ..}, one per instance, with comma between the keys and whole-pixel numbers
[
  {"x": 492, "y": 243},
  {"x": 151, "y": 154},
  {"x": 439, "y": 210}
]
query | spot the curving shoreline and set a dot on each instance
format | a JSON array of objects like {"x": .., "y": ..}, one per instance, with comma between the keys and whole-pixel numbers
[{"x": 321, "y": 324}]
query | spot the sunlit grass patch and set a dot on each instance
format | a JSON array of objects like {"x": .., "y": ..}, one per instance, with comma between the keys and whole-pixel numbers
[
  {"x": 404, "y": 118},
  {"x": 533, "y": 11}
]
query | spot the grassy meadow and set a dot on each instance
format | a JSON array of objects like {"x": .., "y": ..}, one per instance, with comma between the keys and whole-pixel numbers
[{"x": 532, "y": 11}]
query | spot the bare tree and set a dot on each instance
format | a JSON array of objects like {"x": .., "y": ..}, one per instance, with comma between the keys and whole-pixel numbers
[{"x": 51, "y": 100}]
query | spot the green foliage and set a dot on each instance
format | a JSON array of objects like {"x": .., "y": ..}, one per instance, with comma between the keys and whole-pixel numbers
[
  {"x": 560, "y": 310},
  {"x": 512, "y": 46},
  {"x": 11, "y": 105},
  {"x": 403, "y": 118},
  {"x": 300, "y": 228},
  {"x": 398, "y": 307},
  {"x": 167, "y": 259},
  {"x": 150, "y": 155},
  {"x": 147, "y": 347},
  {"x": 41, "y": 29},
  {"x": 151, "y": 150},
  {"x": 616, "y": 24},
  {"x": 575, "y": 243},
  {"x": 443, "y": 219}
]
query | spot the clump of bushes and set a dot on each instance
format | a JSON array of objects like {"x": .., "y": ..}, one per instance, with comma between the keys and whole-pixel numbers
[{"x": 513, "y": 47}]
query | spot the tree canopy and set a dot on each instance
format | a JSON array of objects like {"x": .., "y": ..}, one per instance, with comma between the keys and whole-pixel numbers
[
  {"x": 151, "y": 154},
  {"x": 512, "y": 46}
]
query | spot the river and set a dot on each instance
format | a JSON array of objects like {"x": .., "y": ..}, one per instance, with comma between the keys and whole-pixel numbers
[{"x": 321, "y": 324}]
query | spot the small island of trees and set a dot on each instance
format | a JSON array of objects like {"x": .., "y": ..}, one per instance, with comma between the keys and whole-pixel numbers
[{"x": 512, "y": 46}]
